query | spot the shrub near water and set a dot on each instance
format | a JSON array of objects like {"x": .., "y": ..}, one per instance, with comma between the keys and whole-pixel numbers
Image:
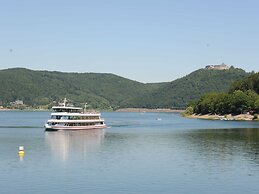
[{"x": 189, "y": 111}]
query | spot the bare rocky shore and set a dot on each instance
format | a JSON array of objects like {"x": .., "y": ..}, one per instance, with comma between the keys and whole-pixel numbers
[{"x": 229, "y": 117}]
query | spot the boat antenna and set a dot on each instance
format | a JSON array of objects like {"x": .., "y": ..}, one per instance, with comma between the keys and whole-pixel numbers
[{"x": 85, "y": 105}]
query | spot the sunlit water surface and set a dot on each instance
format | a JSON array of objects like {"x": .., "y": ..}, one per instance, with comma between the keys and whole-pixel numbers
[{"x": 138, "y": 153}]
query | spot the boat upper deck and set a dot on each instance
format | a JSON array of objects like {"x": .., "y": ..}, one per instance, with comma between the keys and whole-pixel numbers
[
  {"x": 67, "y": 109},
  {"x": 76, "y": 113},
  {"x": 72, "y": 111}
]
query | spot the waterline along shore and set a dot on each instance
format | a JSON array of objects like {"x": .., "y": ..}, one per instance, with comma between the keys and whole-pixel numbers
[
  {"x": 229, "y": 117},
  {"x": 149, "y": 110},
  {"x": 118, "y": 110}
]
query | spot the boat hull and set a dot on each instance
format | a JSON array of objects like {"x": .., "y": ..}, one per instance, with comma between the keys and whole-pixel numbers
[{"x": 73, "y": 128}]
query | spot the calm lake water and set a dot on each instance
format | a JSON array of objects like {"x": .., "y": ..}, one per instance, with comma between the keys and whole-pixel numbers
[{"x": 138, "y": 153}]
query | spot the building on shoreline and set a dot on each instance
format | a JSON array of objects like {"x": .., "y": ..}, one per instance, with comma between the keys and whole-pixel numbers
[{"x": 17, "y": 103}]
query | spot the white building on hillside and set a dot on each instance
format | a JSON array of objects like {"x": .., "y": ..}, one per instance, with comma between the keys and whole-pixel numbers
[{"x": 222, "y": 66}]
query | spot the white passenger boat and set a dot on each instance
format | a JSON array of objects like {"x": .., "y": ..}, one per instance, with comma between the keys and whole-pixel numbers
[{"x": 73, "y": 118}]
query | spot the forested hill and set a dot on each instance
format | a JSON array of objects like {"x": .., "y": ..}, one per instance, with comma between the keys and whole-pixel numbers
[
  {"x": 99, "y": 90},
  {"x": 104, "y": 91},
  {"x": 180, "y": 92},
  {"x": 242, "y": 98}
]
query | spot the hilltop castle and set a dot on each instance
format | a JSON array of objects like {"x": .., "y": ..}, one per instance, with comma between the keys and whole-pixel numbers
[{"x": 222, "y": 66}]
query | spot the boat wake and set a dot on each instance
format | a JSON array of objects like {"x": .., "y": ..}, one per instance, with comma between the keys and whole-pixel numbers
[{"x": 110, "y": 126}]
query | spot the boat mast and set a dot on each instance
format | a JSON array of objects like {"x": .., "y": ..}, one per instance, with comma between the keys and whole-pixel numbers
[
  {"x": 85, "y": 107},
  {"x": 65, "y": 100}
]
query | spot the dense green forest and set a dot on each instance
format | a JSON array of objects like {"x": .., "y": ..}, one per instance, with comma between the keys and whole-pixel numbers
[
  {"x": 36, "y": 88},
  {"x": 242, "y": 97},
  {"x": 109, "y": 91},
  {"x": 178, "y": 93}
]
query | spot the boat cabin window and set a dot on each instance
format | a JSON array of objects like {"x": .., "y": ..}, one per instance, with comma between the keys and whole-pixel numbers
[
  {"x": 58, "y": 117},
  {"x": 69, "y": 110}
]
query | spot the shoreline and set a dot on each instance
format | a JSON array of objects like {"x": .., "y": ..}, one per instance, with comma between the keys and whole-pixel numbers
[
  {"x": 141, "y": 110},
  {"x": 229, "y": 117},
  {"x": 9, "y": 109},
  {"x": 149, "y": 110}
]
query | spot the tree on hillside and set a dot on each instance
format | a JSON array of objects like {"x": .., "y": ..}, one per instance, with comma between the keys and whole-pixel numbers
[{"x": 249, "y": 83}]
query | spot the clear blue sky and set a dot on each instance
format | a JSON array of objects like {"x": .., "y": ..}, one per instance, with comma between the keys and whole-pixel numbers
[{"x": 144, "y": 40}]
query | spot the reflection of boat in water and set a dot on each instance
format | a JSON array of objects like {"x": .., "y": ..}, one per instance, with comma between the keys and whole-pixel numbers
[
  {"x": 64, "y": 144},
  {"x": 73, "y": 118}
]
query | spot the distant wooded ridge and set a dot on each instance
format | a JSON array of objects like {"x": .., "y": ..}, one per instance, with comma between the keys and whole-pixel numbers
[{"x": 42, "y": 89}]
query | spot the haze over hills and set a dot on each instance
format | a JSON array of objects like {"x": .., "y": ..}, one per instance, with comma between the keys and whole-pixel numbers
[{"x": 109, "y": 91}]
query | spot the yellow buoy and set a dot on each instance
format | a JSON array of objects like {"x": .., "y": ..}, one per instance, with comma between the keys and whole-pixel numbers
[{"x": 21, "y": 151}]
